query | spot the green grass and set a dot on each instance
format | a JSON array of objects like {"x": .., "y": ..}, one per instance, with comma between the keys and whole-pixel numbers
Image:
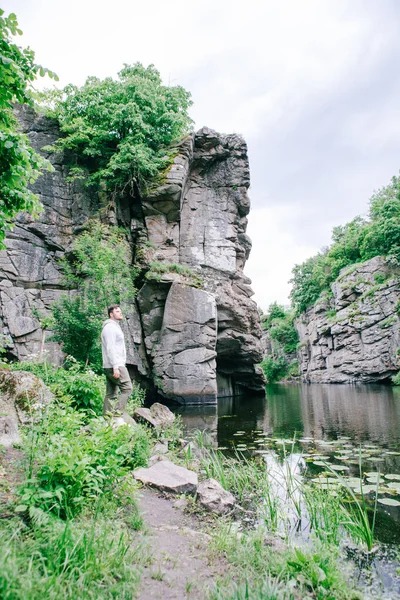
[
  {"x": 265, "y": 569},
  {"x": 79, "y": 559}
]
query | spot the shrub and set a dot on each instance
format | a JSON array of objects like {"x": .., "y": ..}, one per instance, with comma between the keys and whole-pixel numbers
[
  {"x": 101, "y": 274},
  {"x": 20, "y": 165},
  {"x": 274, "y": 369},
  {"x": 76, "y": 464},
  {"x": 396, "y": 379},
  {"x": 85, "y": 388}
]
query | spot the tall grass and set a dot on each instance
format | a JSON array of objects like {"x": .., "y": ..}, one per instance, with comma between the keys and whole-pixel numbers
[
  {"x": 86, "y": 558},
  {"x": 355, "y": 516},
  {"x": 265, "y": 568}
]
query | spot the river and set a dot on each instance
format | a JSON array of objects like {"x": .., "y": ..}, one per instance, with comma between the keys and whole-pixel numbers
[{"x": 342, "y": 425}]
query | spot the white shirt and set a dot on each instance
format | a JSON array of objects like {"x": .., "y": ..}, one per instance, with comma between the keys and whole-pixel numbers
[{"x": 113, "y": 345}]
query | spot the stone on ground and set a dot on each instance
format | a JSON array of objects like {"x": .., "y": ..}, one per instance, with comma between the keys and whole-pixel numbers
[
  {"x": 157, "y": 415},
  {"x": 212, "y": 496},
  {"x": 168, "y": 477}
]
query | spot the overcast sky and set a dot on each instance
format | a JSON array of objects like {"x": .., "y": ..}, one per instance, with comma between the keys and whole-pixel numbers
[{"x": 312, "y": 85}]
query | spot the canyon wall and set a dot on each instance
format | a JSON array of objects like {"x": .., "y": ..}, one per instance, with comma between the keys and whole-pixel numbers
[
  {"x": 353, "y": 334},
  {"x": 193, "y": 332}
]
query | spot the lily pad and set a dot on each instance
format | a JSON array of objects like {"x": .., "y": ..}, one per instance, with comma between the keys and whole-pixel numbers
[
  {"x": 366, "y": 489},
  {"x": 394, "y": 485},
  {"x": 352, "y": 481},
  {"x": 339, "y": 467},
  {"x": 392, "y": 476},
  {"x": 372, "y": 480},
  {"x": 328, "y": 486},
  {"x": 389, "y": 501}
]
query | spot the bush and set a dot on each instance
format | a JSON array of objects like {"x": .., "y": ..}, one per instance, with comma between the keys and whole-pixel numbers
[
  {"x": 101, "y": 274},
  {"x": 274, "y": 369},
  {"x": 76, "y": 464},
  {"x": 396, "y": 379},
  {"x": 20, "y": 165},
  {"x": 120, "y": 131},
  {"x": 85, "y": 388}
]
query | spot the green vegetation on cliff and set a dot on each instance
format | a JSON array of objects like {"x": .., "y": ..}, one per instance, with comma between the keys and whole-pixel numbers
[
  {"x": 357, "y": 241},
  {"x": 99, "y": 273},
  {"x": 120, "y": 131},
  {"x": 279, "y": 363},
  {"x": 20, "y": 165}
]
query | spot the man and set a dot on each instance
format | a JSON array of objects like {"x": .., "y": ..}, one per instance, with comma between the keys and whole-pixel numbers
[{"x": 114, "y": 359}]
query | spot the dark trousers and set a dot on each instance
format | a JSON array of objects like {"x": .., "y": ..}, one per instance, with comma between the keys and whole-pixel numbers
[{"x": 112, "y": 401}]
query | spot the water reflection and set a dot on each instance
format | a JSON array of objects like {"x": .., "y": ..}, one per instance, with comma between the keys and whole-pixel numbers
[{"x": 361, "y": 412}]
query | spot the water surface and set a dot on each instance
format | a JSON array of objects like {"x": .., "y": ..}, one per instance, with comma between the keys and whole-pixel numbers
[{"x": 344, "y": 423}]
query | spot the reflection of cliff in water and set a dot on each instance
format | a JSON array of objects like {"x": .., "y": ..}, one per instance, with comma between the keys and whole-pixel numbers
[{"x": 361, "y": 412}]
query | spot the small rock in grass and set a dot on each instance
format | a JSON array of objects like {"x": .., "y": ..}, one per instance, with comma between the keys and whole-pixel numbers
[{"x": 212, "y": 496}]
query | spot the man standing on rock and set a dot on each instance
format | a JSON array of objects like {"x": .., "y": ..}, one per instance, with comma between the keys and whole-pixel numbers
[{"x": 114, "y": 359}]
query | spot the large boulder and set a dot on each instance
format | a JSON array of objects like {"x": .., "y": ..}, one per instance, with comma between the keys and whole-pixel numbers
[
  {"x": 184, "y": 363},
  {"x": 22, "y": 397},
  {"x": 22, "y": 394},
  {"x": 158, "y": 415},
  {"x": 9, "y": 434},
  {"x": 168, "y": 477}
]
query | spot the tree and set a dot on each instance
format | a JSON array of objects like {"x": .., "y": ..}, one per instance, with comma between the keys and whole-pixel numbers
[
  {"x": 120, "y": 131},
  {"x": 99, "y": 273},
  {"x": 20, "y": 165}
]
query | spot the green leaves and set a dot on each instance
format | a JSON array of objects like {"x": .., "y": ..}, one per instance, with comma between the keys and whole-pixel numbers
[
  {"x": 20, "y": 165},
  {"x": 121, "y": 130},
  {"x": 76, "y": 465},
  {"x": 101, "y": 272}
]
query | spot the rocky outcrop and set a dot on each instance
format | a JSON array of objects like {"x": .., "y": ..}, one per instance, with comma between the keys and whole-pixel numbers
[
  {"x": 354, "y": 335},
  {"x": 22, "y": 397},
  {"x": 193, "y": 332}
]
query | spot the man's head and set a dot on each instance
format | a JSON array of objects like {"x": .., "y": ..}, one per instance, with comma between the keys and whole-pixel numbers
[{"x": 115, "y": 312}]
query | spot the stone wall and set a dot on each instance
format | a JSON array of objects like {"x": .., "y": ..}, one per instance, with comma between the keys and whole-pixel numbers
[
  {"x": 193, "y": 331},
  {"x": 354, "y": 336}
]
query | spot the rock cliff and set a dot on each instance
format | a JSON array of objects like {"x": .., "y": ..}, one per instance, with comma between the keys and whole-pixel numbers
[
  {"x": 353, "y": 335},
  {"x": 193, "y": 332}
]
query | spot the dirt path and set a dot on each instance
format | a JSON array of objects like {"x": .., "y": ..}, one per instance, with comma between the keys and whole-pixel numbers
[{"x": 180, "y": 568}]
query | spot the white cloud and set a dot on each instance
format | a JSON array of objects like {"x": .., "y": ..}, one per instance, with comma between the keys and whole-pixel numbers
[{"x": 311, "y": 84}]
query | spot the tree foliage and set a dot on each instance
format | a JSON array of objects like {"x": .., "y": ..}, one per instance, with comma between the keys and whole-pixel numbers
[
  {"x": 20, "y": 165},
  {"x": 357, "y": 241},
  {"x": 120, "y": 130},
  {"x": 99, "y": 273},
  {"x": 279, "y": 322}
]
